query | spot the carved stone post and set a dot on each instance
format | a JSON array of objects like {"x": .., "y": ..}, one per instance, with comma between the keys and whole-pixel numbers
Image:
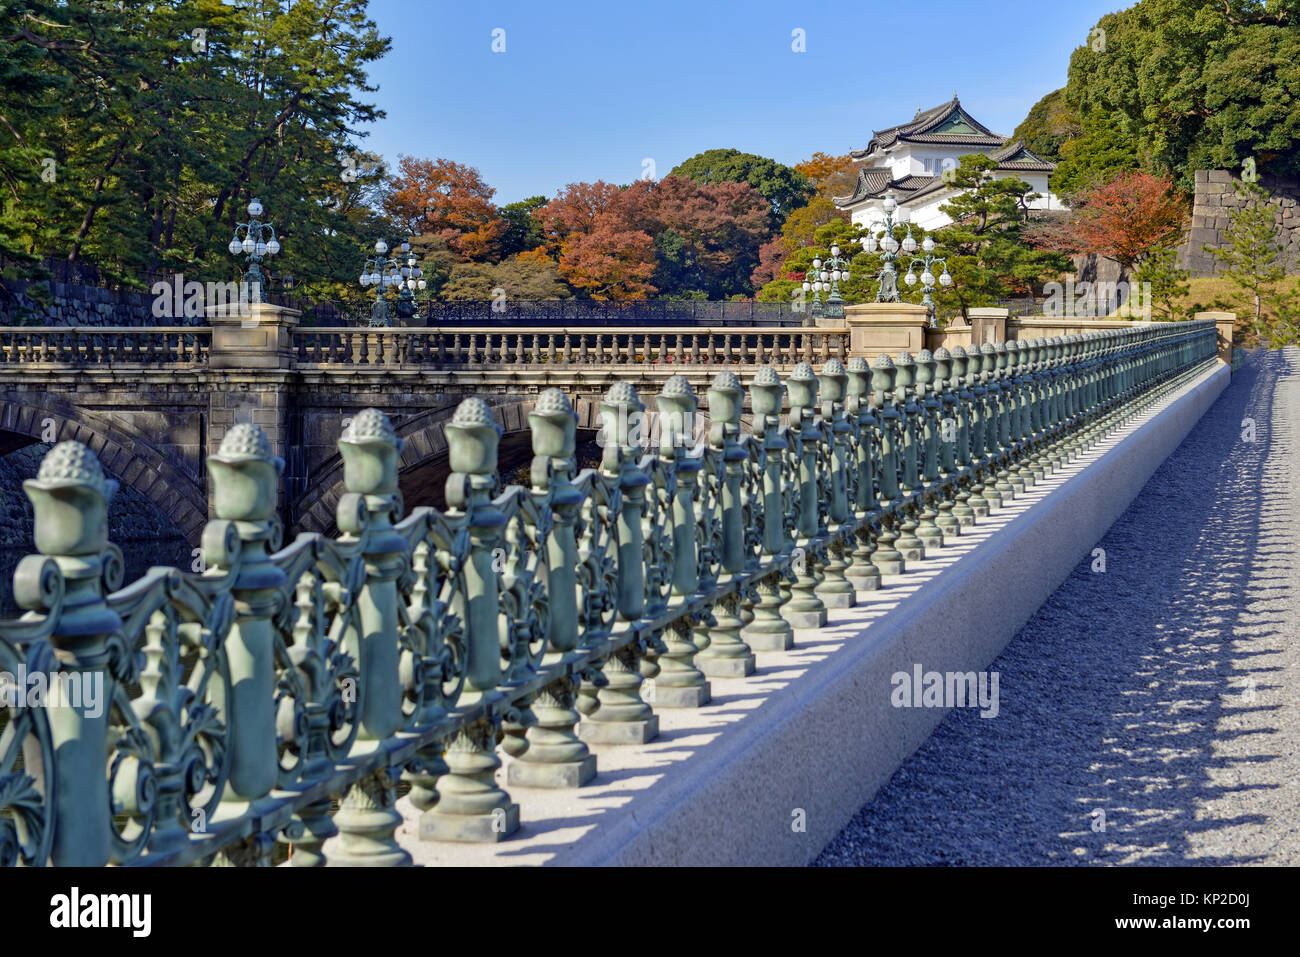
[
  {"x": 622, "y": 717},
  {"x": 835, "y": 590},
  {"x": 69, "y": 497},
  {"x": 805, "y": 609},
  {"x": 556, "y": 757},
  {"x": 769, "y": 631},
  {"x": 471, "y": 807},
  {"x": 862, "y": 572},
  {"x": 680, "y": 684},
  {"x": 727, "y": 654}
]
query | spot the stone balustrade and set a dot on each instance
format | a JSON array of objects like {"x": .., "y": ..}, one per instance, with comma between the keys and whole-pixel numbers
[
  {"x": 240, "y": 698},
  {"x": 474, "y": 346},
  {"x": 105, "y": 345}
]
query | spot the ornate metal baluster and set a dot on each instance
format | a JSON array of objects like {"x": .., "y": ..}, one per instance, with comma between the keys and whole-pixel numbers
[
  {"x": 727, "y": 655},
  {"x": 806, "y": 609},
  {"x": 471, "y": 806},
  {"x": 928, "y": 530},
  {"x": 556, "y": 757},
  {"x": 959, "y": 396},
  {"x": 888, "y": 559},
  {"x": 622, "y": 717},
  {"x": 368, "y": 820},
  {"x": 680, "y": 684},
  {"x": 835, "y": 590},
  {"x": 909, "y": 514},
  {"x": 862, "y": 572}
]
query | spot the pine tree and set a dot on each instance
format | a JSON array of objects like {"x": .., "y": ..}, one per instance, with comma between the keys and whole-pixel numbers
[
  {"x": 1168, "y": 280},
  {"x": 1253, "y": 257}
]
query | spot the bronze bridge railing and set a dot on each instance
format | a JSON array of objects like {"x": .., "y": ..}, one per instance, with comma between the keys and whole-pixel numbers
[{"x": 215, "y": 713}]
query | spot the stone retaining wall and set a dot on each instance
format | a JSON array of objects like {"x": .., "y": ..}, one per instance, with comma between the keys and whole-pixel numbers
[
  {"x": 27, "y": 303},
  {"x": 1216, "y": 201}
]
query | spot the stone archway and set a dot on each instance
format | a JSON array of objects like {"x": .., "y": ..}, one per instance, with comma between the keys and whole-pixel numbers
[{"x": 125, "y": 453}]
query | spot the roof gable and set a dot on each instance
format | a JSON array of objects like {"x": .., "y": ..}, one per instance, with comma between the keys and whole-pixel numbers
[
  {"x": 947, "y": 122},
  {"x": 1016, "y": 155},
  {"x": 955, "y": 123}
]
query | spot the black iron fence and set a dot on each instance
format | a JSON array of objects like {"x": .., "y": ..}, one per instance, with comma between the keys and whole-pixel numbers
[
  {"x": 517, "y": 314},
  {"x": 506, "y": 313}
]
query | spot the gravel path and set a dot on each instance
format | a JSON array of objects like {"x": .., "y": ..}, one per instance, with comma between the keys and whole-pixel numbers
[{"x": 1162, "y": 692}]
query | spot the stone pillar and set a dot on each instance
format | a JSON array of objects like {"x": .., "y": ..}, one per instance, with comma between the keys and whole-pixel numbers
[
  {"x": 252, "y": 346},
  {"x": 876, "y": 327},
  {"x": 1223, "y": 323},
  {"x": 988, "y": 324}
]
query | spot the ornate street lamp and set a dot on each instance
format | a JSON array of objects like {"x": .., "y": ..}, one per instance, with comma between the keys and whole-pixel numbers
[
  {"x": 254, "y": 246},
  {"x": 383, "y": 273},
  {"x": 412, "y": 278},
  {"x": 829, "y": 275},
  {"x": 812, "y": 283},
  {"x": 881, "y": 236},
  {"x": 927, "y": 276}
]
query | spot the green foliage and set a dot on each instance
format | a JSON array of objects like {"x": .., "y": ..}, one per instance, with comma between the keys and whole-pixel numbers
[
  {"x": 783, "y": 187},
  {"x": 1253, "y": 257},
  {"x": 163, "y": 118},
  {"x": 1284, "y": 328},
  {"x": 1102, "y": 150},
  {"x": 523, "y": 231},
  {"x": 987, "y": 254},
  {"x": 1168, "y": 282},
  {"x": 1049, "y": 124},
  {"x": 1199, "y": 84},
  {"x": 519, "y": 277}
]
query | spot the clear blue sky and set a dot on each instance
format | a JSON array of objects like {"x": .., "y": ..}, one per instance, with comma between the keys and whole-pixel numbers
[{"x": 589, "y": 90}]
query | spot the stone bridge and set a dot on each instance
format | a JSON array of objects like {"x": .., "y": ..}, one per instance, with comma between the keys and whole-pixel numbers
[
  {"x": 154, "y": 403},
  {"x": 673, "y": 652}
]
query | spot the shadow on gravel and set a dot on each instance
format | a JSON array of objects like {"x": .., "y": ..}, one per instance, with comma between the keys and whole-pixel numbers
[{"x": 1114, "y": 695}]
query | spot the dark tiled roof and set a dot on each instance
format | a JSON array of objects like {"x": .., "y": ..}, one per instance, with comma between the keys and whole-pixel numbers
[
  {"x": 921, "y": 129},
  {"x": 871, "y": 182},
  {"x": 1019, "y": 156},
  {"x": 876, "y": 182},
  {"x": 957, "y": 139}
]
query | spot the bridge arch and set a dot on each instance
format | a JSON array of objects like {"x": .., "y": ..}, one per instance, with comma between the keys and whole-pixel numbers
[{"x": 124, "y": 452}]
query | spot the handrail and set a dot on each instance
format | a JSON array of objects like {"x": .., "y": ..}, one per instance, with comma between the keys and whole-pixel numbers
[
  {"x": 95, "y": 345},
  {"x": 455, "y": 346},
  {"x": 237, "y": 700}
]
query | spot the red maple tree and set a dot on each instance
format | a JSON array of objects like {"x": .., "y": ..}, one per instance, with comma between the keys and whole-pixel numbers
[
  {"x": 447, "y": 199},
  {"x": 1128, "y": 217}
]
